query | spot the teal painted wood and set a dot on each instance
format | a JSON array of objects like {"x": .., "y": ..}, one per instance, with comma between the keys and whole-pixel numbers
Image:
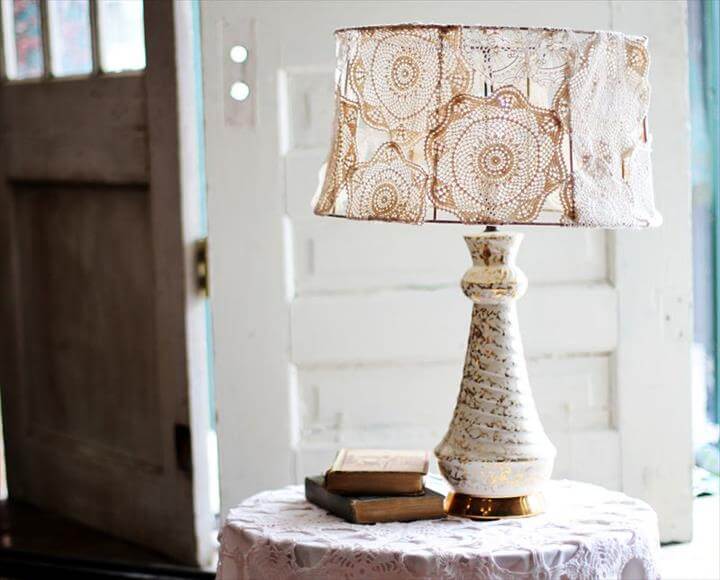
[
  {"x": 705, "y": 180},
  {"x": 202, "y": 193},
  {"x": 712, "y": 62}
]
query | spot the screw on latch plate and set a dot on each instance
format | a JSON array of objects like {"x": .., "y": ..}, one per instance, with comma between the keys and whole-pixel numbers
[{"x": 202, "y": 277}]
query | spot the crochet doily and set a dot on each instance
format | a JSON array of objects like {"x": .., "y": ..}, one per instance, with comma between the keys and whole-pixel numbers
[{"x": 587, "y": 532}]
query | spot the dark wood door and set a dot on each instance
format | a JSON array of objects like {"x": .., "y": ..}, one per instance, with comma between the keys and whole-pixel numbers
[{"x": 94, "y": 356}]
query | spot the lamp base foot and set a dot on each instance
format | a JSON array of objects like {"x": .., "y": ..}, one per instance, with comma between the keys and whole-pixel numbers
[{"x": 494, "y": 508}]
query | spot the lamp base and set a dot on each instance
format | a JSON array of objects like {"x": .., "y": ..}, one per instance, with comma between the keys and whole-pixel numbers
[
  {"x": 495, "y": 455},
  {"x": 494, "y": 508}
]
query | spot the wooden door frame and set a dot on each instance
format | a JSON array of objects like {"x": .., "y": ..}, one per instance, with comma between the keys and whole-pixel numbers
[
  {"x": 172, "y": 78},
  {"x": 180, "y": 353},
  {"x": 191, "y": 138}
]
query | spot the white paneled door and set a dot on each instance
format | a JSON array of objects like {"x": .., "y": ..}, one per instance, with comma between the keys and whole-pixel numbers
[{"x": 331, "y": 333}]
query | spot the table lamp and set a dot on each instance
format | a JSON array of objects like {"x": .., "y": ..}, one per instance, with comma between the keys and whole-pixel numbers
[{"x": 493, "y": 126}]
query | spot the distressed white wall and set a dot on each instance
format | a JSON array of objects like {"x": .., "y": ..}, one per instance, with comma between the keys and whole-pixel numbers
[{"x": 333, "y": 333}]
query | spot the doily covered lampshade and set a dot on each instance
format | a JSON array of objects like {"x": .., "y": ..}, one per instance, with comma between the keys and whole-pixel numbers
[{"x": 474, "y": 124}]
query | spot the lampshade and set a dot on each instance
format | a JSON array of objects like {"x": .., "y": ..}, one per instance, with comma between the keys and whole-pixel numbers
[{"x": 490, "y": 125}]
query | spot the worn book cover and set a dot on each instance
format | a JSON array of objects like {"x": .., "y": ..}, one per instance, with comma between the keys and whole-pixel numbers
[
  {"x": 377, "y": 471},
  {"x": 368, "y": 509}
]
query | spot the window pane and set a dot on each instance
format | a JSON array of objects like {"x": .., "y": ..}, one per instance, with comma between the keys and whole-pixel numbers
[
  {"x": 69, "y": 27},
  {"x": 22, "y": 33},
  {"x": 122, "y": 35}
]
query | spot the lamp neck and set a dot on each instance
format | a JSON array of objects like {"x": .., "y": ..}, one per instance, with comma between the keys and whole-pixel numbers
[{"x": 494, "y": 277}]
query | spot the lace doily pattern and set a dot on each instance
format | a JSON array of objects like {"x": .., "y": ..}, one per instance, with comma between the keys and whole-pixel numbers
[
  {"x": 497, "y": 158},
  {"x": 345, "y": 156},
  {"x": 587, "y": 533},
  {"x": 612, "y": 181},
  {"x": 385, "y": 188},
  {"x": 402, "y": 75},
  {"x": 507, "y": 125},
  {"x": 520, "y": 58}
]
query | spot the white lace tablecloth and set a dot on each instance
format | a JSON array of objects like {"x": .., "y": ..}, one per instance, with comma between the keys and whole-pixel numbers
[{"x": 587, "y": 532}]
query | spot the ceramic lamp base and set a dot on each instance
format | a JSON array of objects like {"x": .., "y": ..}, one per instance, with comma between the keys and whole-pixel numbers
[
  {"x": 495, "y": 455},
  {"x": 494, "y": 508}
]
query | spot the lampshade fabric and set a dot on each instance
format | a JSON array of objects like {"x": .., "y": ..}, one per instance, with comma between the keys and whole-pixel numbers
[{"x": 472, "y": 124}]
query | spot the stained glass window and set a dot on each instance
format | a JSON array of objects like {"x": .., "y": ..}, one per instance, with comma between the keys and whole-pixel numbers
[
  {"x": 70, "y": 37},
  {"x": 68, "y": 31},
  {"x": 22, "y": 33},
  {"x": 122, "y": 35}
]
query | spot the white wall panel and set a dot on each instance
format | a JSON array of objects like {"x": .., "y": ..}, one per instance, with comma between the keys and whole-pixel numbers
[
  {"x": 334, "y": 254},
  {"x": 392, "y": 403},
  {"x": 310, "y": 104},
  {"x": 432, "y": 325},
  {"x": 592, "y": 456},
  {"x": 302, "y": 167},
  {"x": 573, "y": 393},
  {"x": 653, "y": 273}
]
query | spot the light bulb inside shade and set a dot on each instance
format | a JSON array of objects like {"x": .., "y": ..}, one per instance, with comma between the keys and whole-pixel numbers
[
  {"x": 239, "y": 91},
  {"x": 238, "y": 53}
]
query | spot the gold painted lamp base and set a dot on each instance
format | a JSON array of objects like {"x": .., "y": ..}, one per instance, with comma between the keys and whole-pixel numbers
[{"x": 494, "y": 508}]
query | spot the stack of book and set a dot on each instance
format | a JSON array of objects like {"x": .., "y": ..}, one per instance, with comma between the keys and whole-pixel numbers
[{"x": 367, "y": 486}]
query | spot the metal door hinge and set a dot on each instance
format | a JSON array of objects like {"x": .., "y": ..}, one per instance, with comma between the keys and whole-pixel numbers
[{"x": 202, "y": 277}]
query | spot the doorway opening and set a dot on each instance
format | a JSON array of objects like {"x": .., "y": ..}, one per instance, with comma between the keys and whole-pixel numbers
[{"x": 93, "y": 263}]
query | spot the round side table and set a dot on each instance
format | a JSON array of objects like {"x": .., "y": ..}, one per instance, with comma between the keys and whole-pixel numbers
[{"x": 587, "y": 532}]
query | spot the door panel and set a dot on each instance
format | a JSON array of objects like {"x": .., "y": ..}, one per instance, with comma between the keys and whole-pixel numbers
[
  {"x": 101, "y": 393},
  {"x": 87, "y": 318},
  {"x": 92, "y": 130},
  {"x": 331, "y": 333}
]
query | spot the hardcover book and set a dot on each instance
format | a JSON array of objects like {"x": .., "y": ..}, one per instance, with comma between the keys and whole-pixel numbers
[
  {"x": 377, "y": 472},
  {"x": 370, "y": 509}
]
